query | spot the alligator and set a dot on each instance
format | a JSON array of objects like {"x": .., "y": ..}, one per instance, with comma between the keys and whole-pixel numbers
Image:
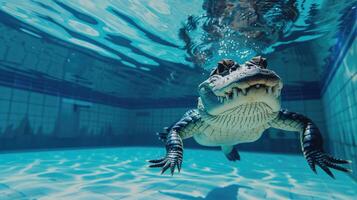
[{"x": 235, "y": 105}]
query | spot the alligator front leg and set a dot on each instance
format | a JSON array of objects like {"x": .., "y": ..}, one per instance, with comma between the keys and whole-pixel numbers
[
  {"x": 174, "y": 154},
  {"x": 174, "y": 146},
  {"x": 311, "y": 141}
]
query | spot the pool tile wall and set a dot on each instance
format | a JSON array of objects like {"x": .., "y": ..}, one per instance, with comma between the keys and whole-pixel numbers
[
  {"x": 149, "y": 121},
  {"x": 34, "y": 113},
  {"x": 340, "y": 107},
  {"x": 58, "y": 92},
  {"x": 34, "y": 120}
]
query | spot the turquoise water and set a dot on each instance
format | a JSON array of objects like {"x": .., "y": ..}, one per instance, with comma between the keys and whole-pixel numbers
[
  {"x": 122, "y": 173},
  {"x": 79, "y": 73},
  {"x": 145, "y": 35}
]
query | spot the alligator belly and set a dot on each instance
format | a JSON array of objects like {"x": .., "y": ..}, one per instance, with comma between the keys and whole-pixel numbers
[{"x": 218, "y": 137}]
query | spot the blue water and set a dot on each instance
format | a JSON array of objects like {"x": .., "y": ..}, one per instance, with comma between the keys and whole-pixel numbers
[
  {"x": 145, "y": 35},
  {"x": 146, "y": 38},
  {"x": 122, "y": 173},
  {"x": 108, "y": 72}
]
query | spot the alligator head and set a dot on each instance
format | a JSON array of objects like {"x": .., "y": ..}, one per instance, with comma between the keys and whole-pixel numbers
[{"x": 231, "y": 85}]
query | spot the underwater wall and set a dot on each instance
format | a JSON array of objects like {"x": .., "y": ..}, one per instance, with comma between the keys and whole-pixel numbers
[
  {"x": 44, "y": 101},
  {"x": 54, "y": 94},
  {"x": 340, "y": 106}
]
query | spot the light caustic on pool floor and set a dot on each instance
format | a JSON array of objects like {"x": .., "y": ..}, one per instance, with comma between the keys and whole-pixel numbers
[{"x": 122, "y": 173}]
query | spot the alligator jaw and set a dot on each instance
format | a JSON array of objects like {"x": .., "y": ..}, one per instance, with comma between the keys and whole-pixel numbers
[{"x": 234, "y": 92}]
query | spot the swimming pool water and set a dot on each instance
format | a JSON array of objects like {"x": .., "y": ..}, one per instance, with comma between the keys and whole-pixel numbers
[{"x": 122, "y": 173}]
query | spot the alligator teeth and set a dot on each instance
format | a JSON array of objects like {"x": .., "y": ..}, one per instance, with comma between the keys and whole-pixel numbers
[
  {"x": 244, "y": 91},
  {"x": 227, "y": 96},
  {"x": 224, "y": 99},
  {"x": 276, "y": 92},
  {"x": 235, "y": 92},
  {"x": 220, "y": 99},
  {"x": 270, "y": 90},
  {"x": 276, "y": 89},
  {"x": 257, "y": 86}
]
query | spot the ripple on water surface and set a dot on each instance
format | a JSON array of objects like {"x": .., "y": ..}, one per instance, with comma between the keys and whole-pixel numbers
[{"x": 122, "y": 173}]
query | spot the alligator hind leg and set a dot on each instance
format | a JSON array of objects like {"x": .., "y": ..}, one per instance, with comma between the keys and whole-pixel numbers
[{"x": 231, "y": 152}]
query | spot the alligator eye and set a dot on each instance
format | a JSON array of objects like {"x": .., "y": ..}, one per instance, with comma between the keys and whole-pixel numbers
[
  {"x": 224, "y": 67},
  {"x": 263, "y": 64},
  {"x": 220, "y": 70},
  {"x": 260, "y": 61},
  {"x": 234, "y": 68}
]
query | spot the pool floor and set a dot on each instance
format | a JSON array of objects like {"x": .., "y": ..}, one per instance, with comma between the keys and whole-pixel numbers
[{"x": 122, "y": 173}]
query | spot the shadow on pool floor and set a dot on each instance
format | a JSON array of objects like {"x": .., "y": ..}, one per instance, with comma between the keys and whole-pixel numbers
[{"x": 229, "y": 192}]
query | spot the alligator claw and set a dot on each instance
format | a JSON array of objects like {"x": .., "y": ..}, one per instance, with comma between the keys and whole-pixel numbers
[
  {"x": 174, "y": 154},
  {"x": 165, "y": 167},
  {"x": 157, "y": 163},
  {"x": 312, "y": 145},
  {"x": 233, "y": 155},
  {"x": 172, "y": 160},
  {"x": 338, "y": 161},
  {"x": 325, "y": 162},
  {"x": 179, "y": 166}
]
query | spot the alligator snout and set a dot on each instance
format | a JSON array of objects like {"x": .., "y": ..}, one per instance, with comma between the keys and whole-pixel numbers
[
  {"x": 246, "y": 79},
  {"x": 266, "y": 71},
  {"x": 257, "y": 71}
]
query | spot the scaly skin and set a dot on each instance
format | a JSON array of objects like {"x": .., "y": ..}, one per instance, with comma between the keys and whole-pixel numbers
[
  {"x": 310, "y": 139},
  {"x": 236, "y": 104}
]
